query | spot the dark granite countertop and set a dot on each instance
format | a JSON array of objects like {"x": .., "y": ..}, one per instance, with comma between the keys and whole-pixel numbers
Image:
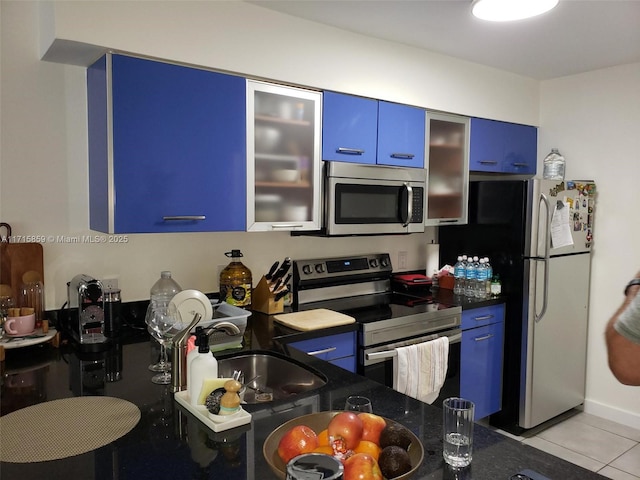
[{"x": 169, "y": 443}]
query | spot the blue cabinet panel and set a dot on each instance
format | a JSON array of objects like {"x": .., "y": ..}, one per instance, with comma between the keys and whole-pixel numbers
[
  {"x": 481, "y": 368},
  {"x": 178, "y": 148},
  {"x": 479, "y": 317},
  {"x": 349, "y": 128},
  {"x": 502, "y": 147},
  {"x": 362, "y": 130},
  {"x": 486, "y": 145},
  {"x": 401, "y": 135},
  {"x": 338, "y": 349},
  {"x": 521, "y": 148}
]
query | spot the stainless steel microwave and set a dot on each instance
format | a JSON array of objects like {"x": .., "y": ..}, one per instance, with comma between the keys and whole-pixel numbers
[{"x": 373, "y": 199}]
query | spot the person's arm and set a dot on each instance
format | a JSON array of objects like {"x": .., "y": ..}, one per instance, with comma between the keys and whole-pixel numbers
[{"x": 624, "y": 354}]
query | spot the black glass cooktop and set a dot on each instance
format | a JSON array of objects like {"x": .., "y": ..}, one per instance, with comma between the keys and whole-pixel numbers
[{"x": 381, "y": 306}]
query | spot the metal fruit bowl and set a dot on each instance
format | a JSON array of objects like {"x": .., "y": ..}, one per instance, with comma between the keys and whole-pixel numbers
[{"x": 318, "y": 422}]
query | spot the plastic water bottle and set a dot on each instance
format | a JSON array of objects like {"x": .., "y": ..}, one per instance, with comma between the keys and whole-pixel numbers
[
  {"x": 553, "y": 166},
  {"x": 161, "y": 294},
  {"x": 470, "y": 278},
  {"x": 458, "y": 277},
  {"x": 481, "y": 278},
  {"x": 487, "y": 290}
]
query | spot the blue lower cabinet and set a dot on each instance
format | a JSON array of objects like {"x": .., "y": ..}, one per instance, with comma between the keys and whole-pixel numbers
[
  {"x": 338, "y": 349},
  {"x": 481, "y": 368}
]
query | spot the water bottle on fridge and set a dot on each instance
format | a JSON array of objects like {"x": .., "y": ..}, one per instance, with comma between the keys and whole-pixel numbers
[
  {"x": 458, "y": 277},
  {"x": 470, "y": 277}
]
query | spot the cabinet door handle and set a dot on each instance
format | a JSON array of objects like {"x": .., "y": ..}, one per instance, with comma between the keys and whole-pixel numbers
[
  {"x": 325, "y": 350},
  {"x": 350, "y": 151},
  {"x": 484, "y": 337},
  {"x": 488, "y": 162},
  {"x": 520, "y": 164},
  {"x": 285, "y": 226},
  {"x": 447, "y": 221},
  {"x": 178, "y": 218},
  {"x": 407, "y": 156},
  {"x": 483, "y": 317}
]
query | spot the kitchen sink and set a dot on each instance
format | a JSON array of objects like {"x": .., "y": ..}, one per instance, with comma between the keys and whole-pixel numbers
[{"x": 270, "y": 376}]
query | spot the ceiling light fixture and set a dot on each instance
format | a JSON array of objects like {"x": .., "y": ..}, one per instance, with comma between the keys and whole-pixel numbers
[{"x": 508, "y": 10}]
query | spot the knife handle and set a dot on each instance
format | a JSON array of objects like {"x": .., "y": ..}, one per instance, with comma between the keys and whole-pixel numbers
[{"x": 272, "y": 270}]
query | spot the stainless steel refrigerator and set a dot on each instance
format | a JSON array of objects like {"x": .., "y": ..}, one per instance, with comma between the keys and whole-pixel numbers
[{"x": 538, "y": 235}]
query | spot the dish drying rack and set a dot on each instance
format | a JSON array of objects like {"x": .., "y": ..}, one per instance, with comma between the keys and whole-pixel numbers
[{"x": 219, "y": 340}]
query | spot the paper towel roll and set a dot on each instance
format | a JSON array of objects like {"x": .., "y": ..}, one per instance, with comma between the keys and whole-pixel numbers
[{"x": 433, "y": 258}]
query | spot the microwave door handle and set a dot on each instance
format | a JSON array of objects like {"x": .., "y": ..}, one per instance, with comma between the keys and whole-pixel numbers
[
  {"x": 547, "y": 247},
  {"x": 409, "y": 192}
]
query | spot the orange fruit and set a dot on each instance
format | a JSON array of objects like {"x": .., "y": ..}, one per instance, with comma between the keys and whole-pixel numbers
[
  {"x": 323, "y": 437},
  {"x": 326, "y": 449},
  {"x": 365, "y": 446}
]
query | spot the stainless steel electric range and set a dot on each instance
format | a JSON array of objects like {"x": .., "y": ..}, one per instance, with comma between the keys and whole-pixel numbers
[{"x": 361, "y": 286}]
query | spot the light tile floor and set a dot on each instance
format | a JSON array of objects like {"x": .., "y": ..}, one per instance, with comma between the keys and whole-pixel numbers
[{"x": 599, "y": 445}]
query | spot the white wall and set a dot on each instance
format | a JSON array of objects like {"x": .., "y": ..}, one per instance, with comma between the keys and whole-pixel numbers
[
  {"x": 44, "y": 134},
  {"x": 43, "y": 169},
  {"x": 594, "y": 119}
]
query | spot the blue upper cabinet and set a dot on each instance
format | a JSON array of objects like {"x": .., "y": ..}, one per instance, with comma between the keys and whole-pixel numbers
[
  {"x": 167, "y": 148},
  {"x": 502, "y": 147},
  {"x": 349, "y": 128},
  {"x": 363, "y": 130},
  {"x": 401, "y": 135}
]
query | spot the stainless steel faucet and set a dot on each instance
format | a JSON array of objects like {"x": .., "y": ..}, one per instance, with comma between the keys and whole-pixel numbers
[{"x": 179, "y": 351}]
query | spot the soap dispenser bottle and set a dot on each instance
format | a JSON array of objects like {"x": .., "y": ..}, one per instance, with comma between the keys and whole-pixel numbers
[{"x": 202, "y": 365}]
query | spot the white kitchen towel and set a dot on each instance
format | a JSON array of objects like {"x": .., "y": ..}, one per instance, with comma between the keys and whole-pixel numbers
[{"x": 419, "y": 370}]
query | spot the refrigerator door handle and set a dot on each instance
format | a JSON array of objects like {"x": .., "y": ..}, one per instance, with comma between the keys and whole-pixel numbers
[{"x": 547, "y": 249}]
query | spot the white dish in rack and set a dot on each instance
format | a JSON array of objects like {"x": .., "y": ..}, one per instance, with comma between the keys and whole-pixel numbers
[{"x": 189, "y": 302}]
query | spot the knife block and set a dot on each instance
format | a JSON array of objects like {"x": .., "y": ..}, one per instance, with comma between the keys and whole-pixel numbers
[{"x": 264, "y": 300}]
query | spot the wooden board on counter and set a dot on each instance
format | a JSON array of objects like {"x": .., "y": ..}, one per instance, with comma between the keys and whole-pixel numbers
[
  {"x": 314, "y": 319},
  {"x": 15, "y": 260}
]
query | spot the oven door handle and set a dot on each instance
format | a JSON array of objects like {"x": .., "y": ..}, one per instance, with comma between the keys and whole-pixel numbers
[{"x": 392, "y": 352}]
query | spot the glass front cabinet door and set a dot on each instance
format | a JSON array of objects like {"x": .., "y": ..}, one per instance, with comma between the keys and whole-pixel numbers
[
  {"x": 283, "y": 155},
  {"x": 447, "y": 169}
]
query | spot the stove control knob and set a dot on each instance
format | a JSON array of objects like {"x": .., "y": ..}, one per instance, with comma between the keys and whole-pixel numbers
[
  {"x": 384, "y": 261},
  {"x": 373, "y": 263},
  {"x": 306, "y": 269},
  {"x": 320, "y": 268}
]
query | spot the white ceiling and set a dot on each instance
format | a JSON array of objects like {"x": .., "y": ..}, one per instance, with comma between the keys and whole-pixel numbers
[{"x": 577, "y": 36}]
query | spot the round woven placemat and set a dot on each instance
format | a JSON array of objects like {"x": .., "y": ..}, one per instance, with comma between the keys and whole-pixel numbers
[{"x": 63, "y": 428}]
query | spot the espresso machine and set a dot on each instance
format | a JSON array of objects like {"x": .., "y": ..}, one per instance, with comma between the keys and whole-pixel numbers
[{"x": 86, "y": 306}]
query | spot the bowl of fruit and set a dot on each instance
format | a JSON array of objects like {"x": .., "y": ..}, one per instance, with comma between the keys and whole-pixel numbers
[{"x": 368, "y": 445}]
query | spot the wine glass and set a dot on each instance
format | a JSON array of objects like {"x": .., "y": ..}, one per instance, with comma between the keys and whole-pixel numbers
[
  {"x": 163, "y": 325},
  {"x": 160, "y": 365},
  {"x": 357, "y": 403}
]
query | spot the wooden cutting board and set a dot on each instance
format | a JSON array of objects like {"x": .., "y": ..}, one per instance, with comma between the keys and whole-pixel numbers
[
  {"x": 15, "y": 260},
  {"x": 313, "y": 319}
]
